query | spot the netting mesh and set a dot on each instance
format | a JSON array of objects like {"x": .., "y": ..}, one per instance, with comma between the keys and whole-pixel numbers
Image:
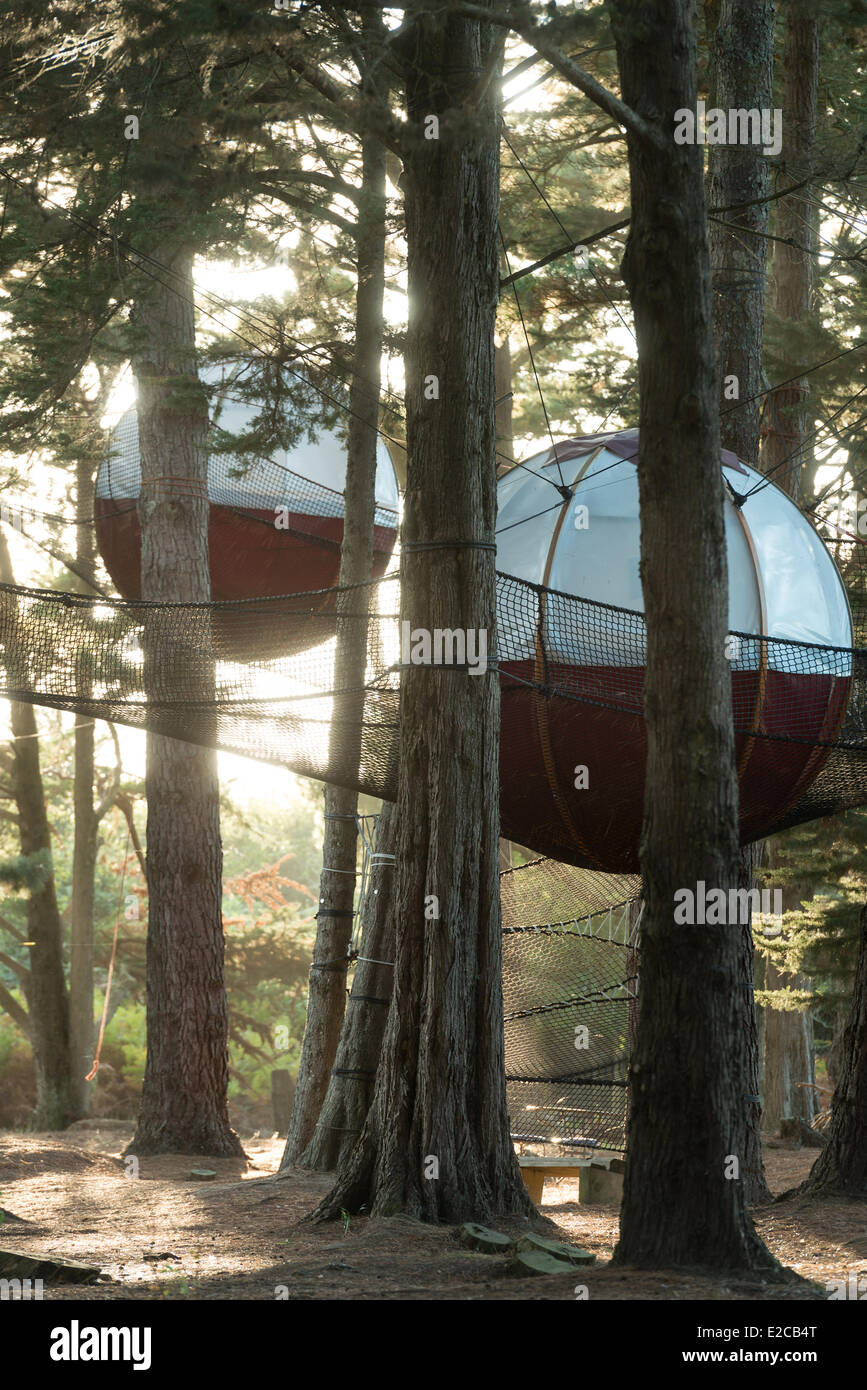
[
  {"x": 571, "y": 674},
  {"x": 234, "y": 481},
  {"x": 569, "y": 940}
]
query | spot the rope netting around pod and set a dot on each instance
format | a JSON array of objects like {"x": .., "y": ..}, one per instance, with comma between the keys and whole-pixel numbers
[
  {"x": 256, "y": 675},
  {"x": 275, "y": 522}
]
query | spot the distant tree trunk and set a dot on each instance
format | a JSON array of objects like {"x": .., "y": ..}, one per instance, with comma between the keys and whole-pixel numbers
[
  {"x": 741, "y": 76},
  {"x": 842, "y": 1165},
  {"x": 786, "y": 455},
  {"x": 756, "y": 1187},
  {"x": 436, "y": 1142},
  {"x": 790, "y": 1071},
  {"x": 785, "y": 416},
  {"x": 184, "y": 1107},
  {"x": 45, "y": 985},
  {"x": 81, "y": 1033},
  {"x": 505, "y": 455},
  {"x": 741, "y": 42},
  {"x": 327, "y": 990},
  {"x": 351, "y": 1083},
  {"x": 503, "y": 390},
  {"x": 682, "y": 1203},
  {"x": 633, "y": 958}
]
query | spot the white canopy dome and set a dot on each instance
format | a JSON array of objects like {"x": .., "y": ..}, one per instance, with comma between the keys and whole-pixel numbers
[
  {"x": 261, "y": 484},
  {"x": 782, "y": 581}
]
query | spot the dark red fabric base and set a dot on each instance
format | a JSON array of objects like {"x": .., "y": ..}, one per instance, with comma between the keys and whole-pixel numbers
[
  {"x": 250, "y": 559},
  {"x": 599, "y": 827}
]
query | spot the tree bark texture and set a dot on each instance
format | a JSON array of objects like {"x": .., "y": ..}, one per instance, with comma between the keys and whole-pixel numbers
[
  {"x": 327, "y": 989},
  {"x": 684, "y": 1202},
  {"x": 786, "y": 419},
  {"x": 741, "y": 41},
  {"x": 436, "y": 1142},
  {"x": 790, "y": 1071},
  {"x": 184, "y": 1106}
]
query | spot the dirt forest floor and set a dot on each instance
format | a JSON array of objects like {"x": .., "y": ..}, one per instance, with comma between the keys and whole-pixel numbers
[{"x": 239, "y": 1236}]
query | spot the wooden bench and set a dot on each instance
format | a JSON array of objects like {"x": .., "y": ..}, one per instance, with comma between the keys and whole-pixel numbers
[{"x": 599, "y": 1179}]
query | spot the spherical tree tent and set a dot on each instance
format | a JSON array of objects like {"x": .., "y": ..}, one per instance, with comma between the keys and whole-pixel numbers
[
  {"x": 275, "y": 523},
  {"x": 577, "y": 762}
]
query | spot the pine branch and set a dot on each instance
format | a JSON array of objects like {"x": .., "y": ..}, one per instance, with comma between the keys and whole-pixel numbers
[
  {"x": 362, "y": 116},
  {"x": 109, "y": 796},
  {"x": 6, "y": 925},
  {"x": 15, "y": 966},
  {"x": 540, "y": 38},
  {"x": 15, "y": 1011},
  {"x": 124, "y": 802}
]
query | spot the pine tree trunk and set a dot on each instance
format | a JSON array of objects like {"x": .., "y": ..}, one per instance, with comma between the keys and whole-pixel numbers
[
  {"x": 842, "y": 1165},
  {"x": 786, "y": 455},
  {"x": 350, "y": 1086},
  {"x": 184, "y": 1097},
  {"x": 790, "y": 1071},
  {"x": 756, "y": 1188},
  {"x": 789, "y": 1053},
  {"x": 785, "y": 418},
  {"x": 436, "y": 1143},
  {"x": 503, "y": 389},
  {"x": 327, "y": 988},
  {"x": 688, "y": 1110},
  {"x": 45, "y": 986},
  {"x": 81, "y": 1030},
  {"x": 741, "y": 77}
]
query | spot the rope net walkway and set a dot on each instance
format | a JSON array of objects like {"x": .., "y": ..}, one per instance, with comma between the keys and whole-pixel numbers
[
  {"x": 568, "y": 945},
  {"x": 571, "y": 674}
]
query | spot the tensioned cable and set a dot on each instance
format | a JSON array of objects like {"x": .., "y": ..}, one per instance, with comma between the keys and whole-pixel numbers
[
  {"x": 136, "y": 258},
  {"x": 586, "y": 490},
  {"x": 252, "y": 319},
  {"x": 130, "y": 254},
  {"x": 562, "y": 489},
  {"x": 800, "y": 376},
  {"x": 625, "y": 221},
  {"x": 813, "y": 434},
  {"x": 563, "y": 229}
]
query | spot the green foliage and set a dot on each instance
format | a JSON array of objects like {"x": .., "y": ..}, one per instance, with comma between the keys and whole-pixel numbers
[{"x": 26, "y": 873}]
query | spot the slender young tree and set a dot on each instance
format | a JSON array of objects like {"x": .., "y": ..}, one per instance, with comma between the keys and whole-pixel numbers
[
  {"x": 741, "y": 48},
  {"x": 786, "y": 456},
  {"x": 43, "y": 984},
  {"x": 327, "y": 994},
  {"x": 88, "y": 812},
  {"x": 350, "y": 1087}
]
